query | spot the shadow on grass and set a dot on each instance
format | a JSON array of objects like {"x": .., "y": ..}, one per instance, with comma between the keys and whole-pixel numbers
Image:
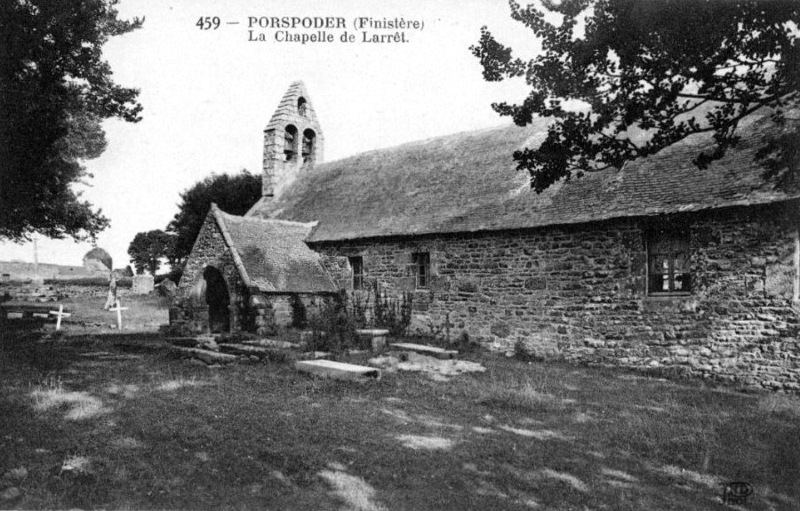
[{"x": 519, "y": 436}]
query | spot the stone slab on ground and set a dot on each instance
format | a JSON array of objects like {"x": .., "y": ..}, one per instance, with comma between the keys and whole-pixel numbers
[
  {"x": 207, "y": 356},
  {"x": 437, "y": 369},
  {"x": 246, "y": 349},
  {"x": 316, "y": 354},
  {"x": 376, "y": 336},
  {"x": 211, "y": 340},
  {"x": 186, "y": 342},
  {"x": 272, "y": 343},
  {"x": 425, "y": 350},
  {"x": 338, "y": 370},
  {"x": 19, "y": 310}
]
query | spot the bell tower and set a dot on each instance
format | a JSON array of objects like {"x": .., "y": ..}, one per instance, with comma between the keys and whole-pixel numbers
[{"x": 292, "y": 141}]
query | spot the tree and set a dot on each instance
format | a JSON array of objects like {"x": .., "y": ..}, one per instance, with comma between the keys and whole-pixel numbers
[
  {"x": 148, "y": 248},
  {"x": 233, "y": 194},
  {"x": 55, "y": 90},
  {"x": 623, "y": 79}
]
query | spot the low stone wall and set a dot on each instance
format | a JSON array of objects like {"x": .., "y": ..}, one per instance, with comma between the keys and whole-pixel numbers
[
  {"x": 579, "y": 293},
  {"x": 143, "y": 284}
]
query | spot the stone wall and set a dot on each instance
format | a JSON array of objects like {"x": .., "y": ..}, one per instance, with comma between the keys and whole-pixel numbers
[
  {"x": 250, "y": 310},
  {"x": 281, "y": 304},
  {"x": 143, "y": 284},
  {"x": 189, "y": 312},
  {"x": 579, "y": 293}
]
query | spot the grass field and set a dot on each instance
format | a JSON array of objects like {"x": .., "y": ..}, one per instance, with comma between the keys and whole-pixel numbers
[
  {"x": 118, "y": 422},
  {"x": 144, "y": 313}
]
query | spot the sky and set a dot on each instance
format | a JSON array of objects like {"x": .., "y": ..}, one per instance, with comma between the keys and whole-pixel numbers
[{"x": 208, "y": 94}]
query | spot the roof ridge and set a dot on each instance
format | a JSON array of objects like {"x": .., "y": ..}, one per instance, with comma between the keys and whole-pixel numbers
[
  {"x": 428, "y": 140},
  {"x": 256, "y": 219},
  {"x": 219, "y": 217}
]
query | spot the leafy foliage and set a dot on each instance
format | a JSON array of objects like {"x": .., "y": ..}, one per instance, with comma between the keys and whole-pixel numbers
[
  {"x": 233, "y": 194},
  {"x": 333, "y": 327},
  {"x": 625, "y": 78},
  {"x": 147, "y": 249},
  {"x": 55, "y": 90},
  {"x": 393, "y": 314}
]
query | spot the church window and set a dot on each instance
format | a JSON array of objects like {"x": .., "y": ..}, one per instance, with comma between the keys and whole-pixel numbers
[
  {"x": 357, "y": 265},
  {"x": 308, "y": 144},
  {"x": 668, "y": 262},
  {"x": 422, "y": 269},
  {"x": 290, "y": 143},
  {"x": 302, "y": 107}
]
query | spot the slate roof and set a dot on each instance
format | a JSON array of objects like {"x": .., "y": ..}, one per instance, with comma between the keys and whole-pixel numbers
[
  {"x": 467, "y": 182},
  {"x": 271, "y": 254}
]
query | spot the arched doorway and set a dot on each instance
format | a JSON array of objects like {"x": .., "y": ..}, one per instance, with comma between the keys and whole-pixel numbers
[{"x": 218, "y": 300}]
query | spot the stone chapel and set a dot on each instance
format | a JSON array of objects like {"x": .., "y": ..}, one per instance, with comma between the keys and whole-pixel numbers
[{"x": 657, "y": 264}]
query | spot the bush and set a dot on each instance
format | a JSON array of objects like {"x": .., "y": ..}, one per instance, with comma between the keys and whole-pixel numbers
[
  {"x": 333, "y": 328},
  {"x": 393, "y": 314},
  {"x": 466, "y": 345},
  {"x": 359, "y": 309},
  {"x": 522, "y": 353}
]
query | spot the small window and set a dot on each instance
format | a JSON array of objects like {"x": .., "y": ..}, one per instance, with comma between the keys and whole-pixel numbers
[
  {"x": 301, "y": 106},
  {"x": 668, "y": 262},
  {"x": 290, "y": 142},
  {"x": 422, "y": 269},
  {"x": 357, "y": 265},
  {"x": 308, "y": 144}
]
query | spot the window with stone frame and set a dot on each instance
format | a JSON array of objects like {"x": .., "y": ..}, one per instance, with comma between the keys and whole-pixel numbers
[
  {"x": 357, "y": 266},
  {"x": 668, "y": 261},
  {"x": 422, "y": 269}
]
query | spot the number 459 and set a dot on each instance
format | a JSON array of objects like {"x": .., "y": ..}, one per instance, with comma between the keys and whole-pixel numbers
[{"x": 208, "y": 22}]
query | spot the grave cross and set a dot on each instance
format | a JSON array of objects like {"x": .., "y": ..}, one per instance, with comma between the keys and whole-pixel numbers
[
  {"x": 60, "y": 314},
  {"x": 118, "y": 309}
]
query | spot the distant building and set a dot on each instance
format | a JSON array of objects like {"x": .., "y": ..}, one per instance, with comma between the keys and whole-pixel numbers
[{"x": 97, "y": 261}]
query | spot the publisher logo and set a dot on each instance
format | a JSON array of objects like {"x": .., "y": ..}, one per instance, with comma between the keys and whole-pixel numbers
[{"x": 736, "y": 492}]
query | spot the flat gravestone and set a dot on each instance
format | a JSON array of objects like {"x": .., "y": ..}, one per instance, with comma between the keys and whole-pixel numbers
[
  {"x": 245, "y": 349},
  {"x": 272, "y": 343},
  {"x": 338, "y": 370},
  {"x": 316, "y": 354},
  {"x": 376, "y": 336},
  {"x": 209, "y": 357},
  {"x": 425, "y": 350}
]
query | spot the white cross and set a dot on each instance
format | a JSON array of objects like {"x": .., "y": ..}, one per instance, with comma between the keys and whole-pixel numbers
[
  {"x": 60, "y": 314},
  {"x": 118, "y": 310}
]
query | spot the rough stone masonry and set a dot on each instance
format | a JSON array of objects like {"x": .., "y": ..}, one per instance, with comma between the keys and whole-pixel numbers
[{"x": 578, "y": 293}]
